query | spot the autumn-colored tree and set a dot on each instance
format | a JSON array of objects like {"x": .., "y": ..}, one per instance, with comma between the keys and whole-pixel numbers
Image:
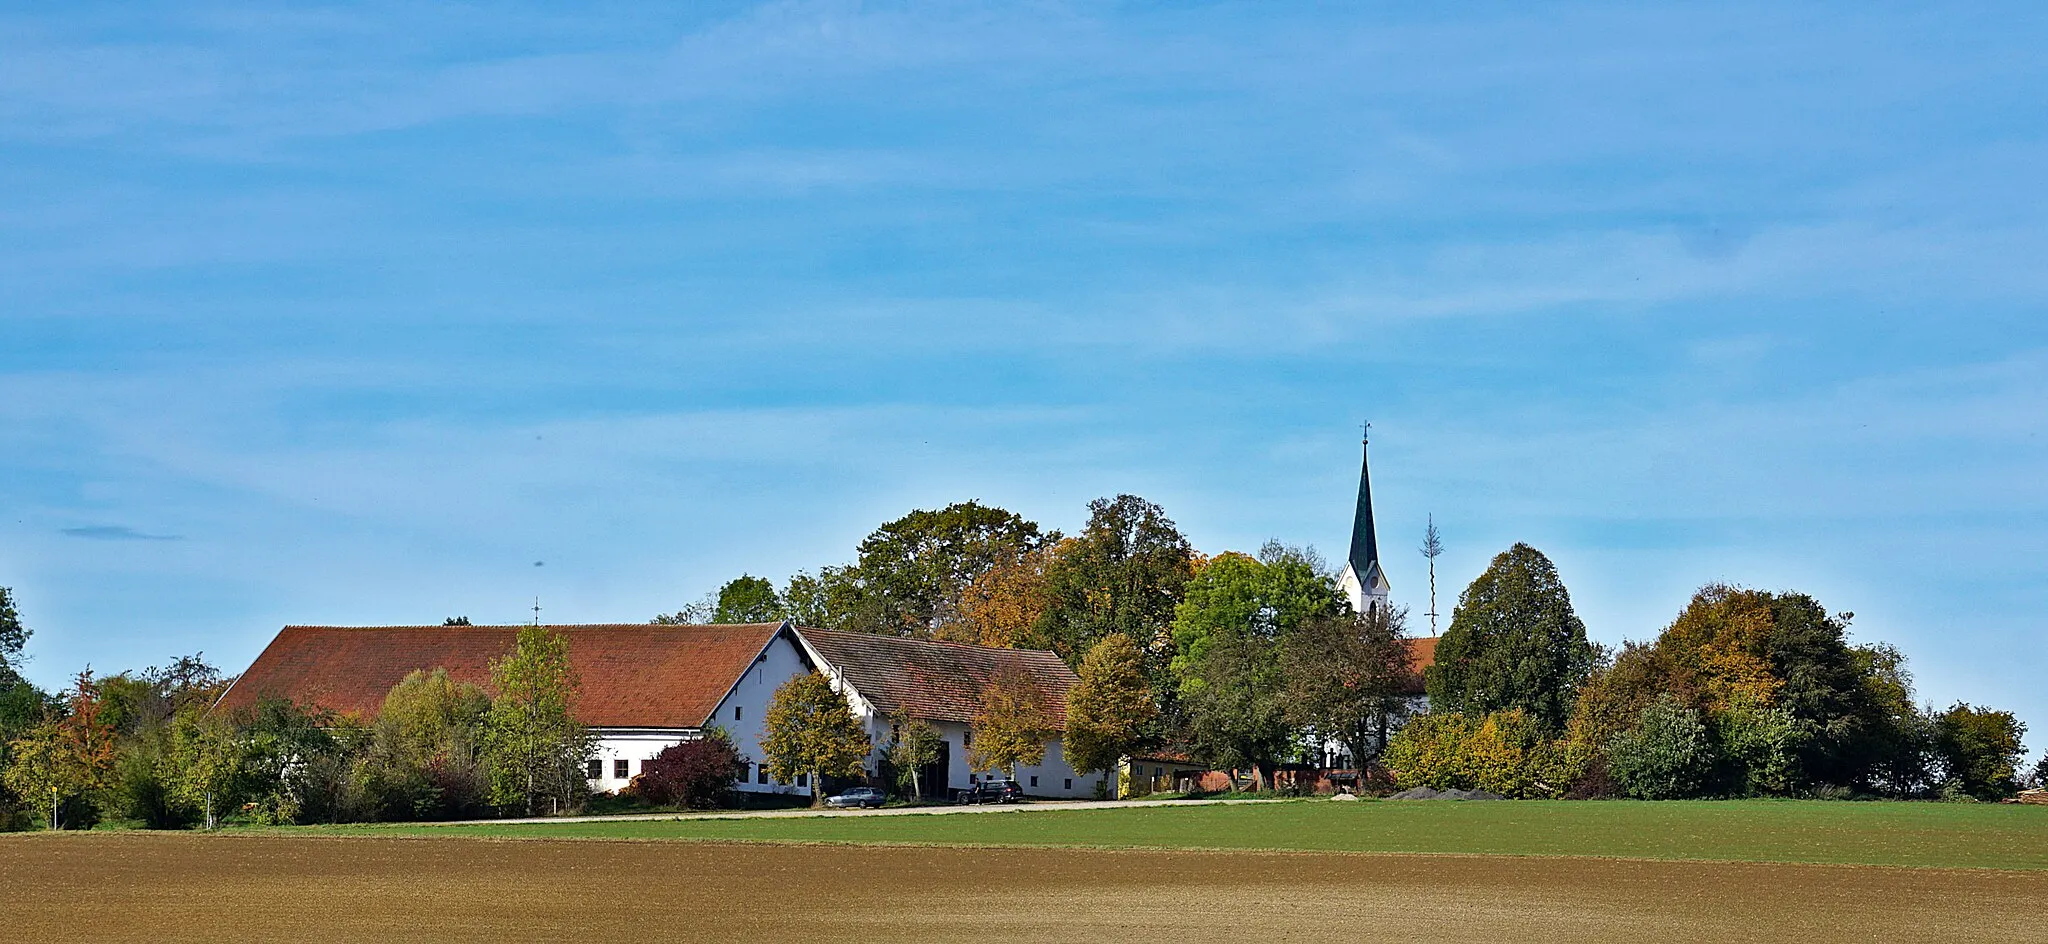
[
  {"x": 42, "y": 770},
  {"x": 810, "y": 730},
  {"x": 917, "y": 745},
  {"x": 1005, "y": 605},
  {"x": 66, "y": 758},
  {"x": 1012, "y": 726},
  {"x": 533, "y": 745},
  {"x": 1109, "y": 708},
  {"x": 1348, "y": 676}
]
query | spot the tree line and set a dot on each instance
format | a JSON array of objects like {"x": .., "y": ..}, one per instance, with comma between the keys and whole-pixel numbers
[
  {"x": 1244, "y": 661},
  {"x": 1253, "y": 660}
]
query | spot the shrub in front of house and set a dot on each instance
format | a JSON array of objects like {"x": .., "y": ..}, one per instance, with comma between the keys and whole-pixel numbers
[{"x": 693, "y": 775}]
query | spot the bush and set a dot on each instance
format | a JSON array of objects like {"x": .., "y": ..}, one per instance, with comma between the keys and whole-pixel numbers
[
  {"x": 1666, "y": 756},
  {"x": 1760, "y": 747},
  {"x": 1505, "y": 752},
  {"x": 694, "y": 774},
  {"x": 1429, "y": 751}
]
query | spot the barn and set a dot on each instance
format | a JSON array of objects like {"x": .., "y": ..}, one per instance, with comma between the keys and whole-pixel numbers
[{"x": 647, "y": 686}]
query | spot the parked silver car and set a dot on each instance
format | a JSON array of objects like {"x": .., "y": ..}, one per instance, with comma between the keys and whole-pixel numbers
[{"x": 858, "y": 798}]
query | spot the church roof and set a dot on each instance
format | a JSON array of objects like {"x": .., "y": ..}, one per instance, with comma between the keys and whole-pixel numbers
[
  {"x": 1365, "y": 547},
  {"x": 634, "y": 675},
  {"x": 936, "y": 681}
]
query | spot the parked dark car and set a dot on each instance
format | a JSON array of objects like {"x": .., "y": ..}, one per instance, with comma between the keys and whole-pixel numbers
[
  {"x": 858, "y": 798},
  {"x": 991, "y": 791}
]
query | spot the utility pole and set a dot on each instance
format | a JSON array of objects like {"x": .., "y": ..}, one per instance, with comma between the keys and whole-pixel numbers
[{"x": 1431, "y": 547}]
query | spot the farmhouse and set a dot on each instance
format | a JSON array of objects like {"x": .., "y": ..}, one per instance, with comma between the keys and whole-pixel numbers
[{"x": 645, "y": 687}]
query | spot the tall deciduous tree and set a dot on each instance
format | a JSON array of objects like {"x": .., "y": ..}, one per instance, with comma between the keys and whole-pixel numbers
[
  {"x": 917, "y": 745},
  {"x": 206, "y": 758},
  {"x": 1004, "y": 605},
  {"x": 1348, "y": 677},
  {"x": 13, "y": 636},
  {"x": 1013, "y": 725},
  {"x": 911, "y": 571},
  {"x": 747, "y": 599},
  {"x": 811, "y": 730},
  {"x": 535, "y": 747},
  {"x": 1227, "y": 634},
  {"x": 1514, "y": 642},
  {"x": 1980, "y": 750},
  {"x": 1110, "y": 707},
  {"x": 1123, "y": 574}
]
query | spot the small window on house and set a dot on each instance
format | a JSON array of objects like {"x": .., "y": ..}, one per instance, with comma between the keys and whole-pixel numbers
[
  {"x": 622, "y": 768},
  {"x": 1158, "y": 771},
  {"x": 762, "y": 773},
  {"x": 1070, "y": 783},
  {"x": 970, "y": 778},
  {"x": 803, "y": 780},
  {"x": 967, "y": 739},
  {"x": 737, "y": 710},
  {"x": 593, "y": 770},
  {"x": 1034, "y": 780}
]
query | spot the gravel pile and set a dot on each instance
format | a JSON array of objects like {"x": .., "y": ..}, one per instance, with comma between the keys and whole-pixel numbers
[{"x": 1425, "y": 793}]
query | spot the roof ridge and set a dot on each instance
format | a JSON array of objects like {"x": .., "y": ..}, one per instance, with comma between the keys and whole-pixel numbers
[{"x": 914, "y": 639}]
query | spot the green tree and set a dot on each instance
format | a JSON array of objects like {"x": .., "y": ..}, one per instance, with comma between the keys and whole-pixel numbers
[
  {"x": 916, "y": 746},
  {"x": 1513, "y": 642},
  {"x": 1668, "y": 755},
  {"x": 1110, "y": 707},
  {"x": 426, "y": 752},
  {"x": 207, "y": 757},
  {"x": 533, "y": 745},
  {"x": 42, "y": 770},
  {"x": 748, "y": 599},
  {"x": 1348, "y": 676},
  {"x": 1760, "y": 744},
  {"x": 13, "y": 637},
  {"x": 1980, "y": 750},
  {"x": 1227, "y": 633},
  {"x": 1123, "y": 574},
  {"x": 811, "y": 731},
  {"x": 1012, "y": 726},
  {"x": 1233, "y": 699}
]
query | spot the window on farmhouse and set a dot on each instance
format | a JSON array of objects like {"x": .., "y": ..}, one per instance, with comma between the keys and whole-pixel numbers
[
  {"x": 622, "y": 768},
  {"x": 1034, "y": 780},
  {"x": 1070, "y": 783},
  {"x": 803, "y": 780},
  {"x": 763, "y": 774},
  {"x": 736, "y": 709},
  {"x": 593, "y": 770}
]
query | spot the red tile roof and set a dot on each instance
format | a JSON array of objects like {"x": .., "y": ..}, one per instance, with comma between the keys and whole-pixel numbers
[
  {"x": 634, "y": 675},
  {"x": 1421, "y": 655},
  {"x": 937, "y": 681}
]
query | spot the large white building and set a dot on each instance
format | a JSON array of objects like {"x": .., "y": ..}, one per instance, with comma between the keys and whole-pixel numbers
[{"x": 645, "y": 687}]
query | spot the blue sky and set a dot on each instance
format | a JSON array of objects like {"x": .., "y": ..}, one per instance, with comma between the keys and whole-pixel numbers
[{"x": 373, "y": 314}]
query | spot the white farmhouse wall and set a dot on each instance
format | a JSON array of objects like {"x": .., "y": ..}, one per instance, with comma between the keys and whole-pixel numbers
[{"x": 740, "y": 714}]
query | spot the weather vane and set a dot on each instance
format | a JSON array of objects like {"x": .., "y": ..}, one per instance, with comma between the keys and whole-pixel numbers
[
  {"x": 536, "y": 611},
  {"x": 1365, "y": 431}
]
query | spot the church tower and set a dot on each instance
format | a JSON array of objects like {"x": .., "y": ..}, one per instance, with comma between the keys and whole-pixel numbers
[{"x": 1363, "y": 582}]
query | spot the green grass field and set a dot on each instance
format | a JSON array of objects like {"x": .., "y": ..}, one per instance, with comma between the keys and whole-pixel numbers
[{"x": 1897, "y": 834}]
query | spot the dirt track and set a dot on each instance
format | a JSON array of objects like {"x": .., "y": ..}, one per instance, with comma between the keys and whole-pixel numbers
[{"x": 108, "y": 888}]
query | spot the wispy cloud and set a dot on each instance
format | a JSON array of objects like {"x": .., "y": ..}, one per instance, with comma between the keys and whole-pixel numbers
[{"x": 111, "y": 532}]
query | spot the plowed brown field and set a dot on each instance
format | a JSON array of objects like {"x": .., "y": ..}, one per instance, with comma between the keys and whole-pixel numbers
[{"x": 143, "y": 887}]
